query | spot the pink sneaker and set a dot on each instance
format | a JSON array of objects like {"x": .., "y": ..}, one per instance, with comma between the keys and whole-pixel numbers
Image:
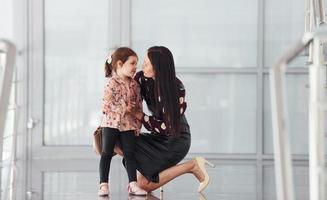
[
  {"x": 133, "y": 189},
  {"x": 103, "y": 190}
]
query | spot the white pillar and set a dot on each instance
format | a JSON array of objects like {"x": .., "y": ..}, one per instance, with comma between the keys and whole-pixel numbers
[{"x": 317, "y": 80}]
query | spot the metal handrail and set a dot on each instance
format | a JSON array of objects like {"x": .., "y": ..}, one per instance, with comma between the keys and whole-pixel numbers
[
  {"x": 314, "y": 17},
  {"x": 6, "y": 78},
  {"x": 283, "y": 162},
  {"x": 317, "y": 101},
  {"x": 321, "y": 12},
  {"x": 5, "y": 87}
]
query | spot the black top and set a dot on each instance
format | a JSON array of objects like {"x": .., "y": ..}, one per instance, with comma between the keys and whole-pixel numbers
[{"x": 155, "y": 122}]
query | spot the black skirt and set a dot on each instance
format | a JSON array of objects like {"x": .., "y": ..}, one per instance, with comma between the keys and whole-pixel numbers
[{"x": 155, "y": 153}]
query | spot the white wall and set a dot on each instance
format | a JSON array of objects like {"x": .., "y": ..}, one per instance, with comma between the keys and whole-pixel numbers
[{"x": 6, "y": 19}]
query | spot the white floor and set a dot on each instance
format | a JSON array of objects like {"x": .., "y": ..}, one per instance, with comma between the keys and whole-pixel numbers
[{"x": 228, "y": 182}]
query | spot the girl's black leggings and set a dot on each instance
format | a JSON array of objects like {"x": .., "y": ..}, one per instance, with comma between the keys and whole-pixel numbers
[{"x": 109, "y": 139}]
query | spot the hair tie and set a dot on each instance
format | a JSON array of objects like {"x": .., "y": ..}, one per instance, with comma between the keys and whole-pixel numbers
[{"x": 109, "y": 59}]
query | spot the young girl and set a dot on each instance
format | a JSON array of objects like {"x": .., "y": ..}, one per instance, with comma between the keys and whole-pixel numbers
[{"x": 121, "y": 96}]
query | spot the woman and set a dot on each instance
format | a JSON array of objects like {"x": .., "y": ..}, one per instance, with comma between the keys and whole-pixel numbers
[{"x": 168, "y": 142}]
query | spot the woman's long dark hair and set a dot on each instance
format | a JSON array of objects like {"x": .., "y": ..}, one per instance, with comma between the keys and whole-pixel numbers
[{"x": 166, "y": 87}]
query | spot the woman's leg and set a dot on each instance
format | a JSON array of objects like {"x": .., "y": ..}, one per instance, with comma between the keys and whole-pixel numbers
[
  {"x": 170, "y": 174},
  {"x": 109, "y": 137}
]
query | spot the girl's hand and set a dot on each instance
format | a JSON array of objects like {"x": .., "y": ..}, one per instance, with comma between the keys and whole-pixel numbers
[
  {"x": 138, "y": 115},
  {"x": 137, "y": 133},
  {"x": 131, "y": 107}
]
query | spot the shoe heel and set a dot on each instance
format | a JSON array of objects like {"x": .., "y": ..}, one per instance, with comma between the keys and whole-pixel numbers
[
  {"x": 201, "y": 163},
  {"x": 210, "y": 164}
]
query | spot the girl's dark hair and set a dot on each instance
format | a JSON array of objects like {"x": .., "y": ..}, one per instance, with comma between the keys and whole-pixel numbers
[
  {"x": 121, "y": 54},
  {"x": 166, "y": 87}
]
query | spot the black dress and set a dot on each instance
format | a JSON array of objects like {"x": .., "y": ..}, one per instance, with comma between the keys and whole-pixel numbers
[{"x": 157, "y": 150}]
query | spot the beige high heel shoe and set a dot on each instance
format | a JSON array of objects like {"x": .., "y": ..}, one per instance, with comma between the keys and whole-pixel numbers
[{"x": 201, "y": 163}]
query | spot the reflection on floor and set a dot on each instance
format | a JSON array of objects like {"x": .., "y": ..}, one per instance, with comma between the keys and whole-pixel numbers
[
  {"x": 228, "y": 182},
  {"x": 152, "y": 196}
]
